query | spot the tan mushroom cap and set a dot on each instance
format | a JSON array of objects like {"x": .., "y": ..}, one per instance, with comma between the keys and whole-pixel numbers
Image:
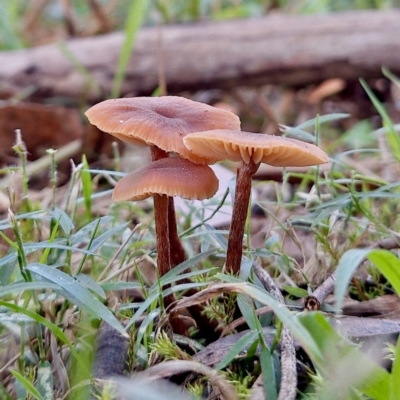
[
  {"x": 245, "y": 146},
  {"x": 173, "y": 176},
  {"x": 161, "y": 121}
]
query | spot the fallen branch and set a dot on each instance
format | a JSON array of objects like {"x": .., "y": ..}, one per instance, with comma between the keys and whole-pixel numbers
[
  {"x": 277, "y": 49},
  {"x": 313, "y": 301}
]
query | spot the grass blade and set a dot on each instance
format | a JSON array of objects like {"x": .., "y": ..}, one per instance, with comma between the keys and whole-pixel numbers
[
  {"x": 386, "y": 262},
  {"x": 87, "y": 187},
  {"x": 389, "y": 265},
  {"x": 20, "y": 287},
  {"x": 65, "y": 221},
  {"x": 242, "y": 343},
  {"x": 72, "y": 290},
  {"x": 45, "y": 380},
  {"x": 134, "y": 22},
  {"x": 322, "y": 119},
  {"x": 345, "y": 270},
  {"x": 27, "y": 385},
  {"x": 268, "y": 372},
  {"x": 338, "y": 364},
  {"x": 45, "y": 322},
  {"x": 286, "y": 317},
  {"x": 247, "y": 311},
  {"x": 392, "y": 136},
  {"x": 395, "y": 375}
]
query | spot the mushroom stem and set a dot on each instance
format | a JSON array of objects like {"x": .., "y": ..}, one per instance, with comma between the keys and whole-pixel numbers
[
  {"x": 163, "y": 255},
  {"x": 160, "y": 219},
  {"x": 239, "y": 215},
  {"x": 157, "y": 153},
  {"x": 177, "y": 252},
  {"x": 161, "y": 222}
]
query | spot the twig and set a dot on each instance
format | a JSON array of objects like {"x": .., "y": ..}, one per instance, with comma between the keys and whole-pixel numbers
[
  {"x": 314, "y": 301},
  {"x": 288, "y": 383}
]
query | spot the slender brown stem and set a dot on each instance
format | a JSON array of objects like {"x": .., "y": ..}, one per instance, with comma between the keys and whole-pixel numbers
[
  {"x": 157, "y": 153},
  {"x": 177, "y": 252},
  {"x": 239, "y": 215},
  {"x": 163, "y": 255},
  {"x": 161, "y": 222},
  {"x": 160, "y": 214},
  {"x": 161, "y": 205}
]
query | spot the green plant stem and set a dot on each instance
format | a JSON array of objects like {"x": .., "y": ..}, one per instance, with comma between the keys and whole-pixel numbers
[
  {"x": 239, "y": 215},
  {"x": 42, "y": 353},
  {"x": 211, "y": 216},
  {"x": 21, "y": 359},
  {"x": 82, "y": 263},
  {"x": 22, "y": 261},
  {"x": 53, "y": 176},
  {"x": 22, "y": 152},
  {"x": 134, "y": 21}
]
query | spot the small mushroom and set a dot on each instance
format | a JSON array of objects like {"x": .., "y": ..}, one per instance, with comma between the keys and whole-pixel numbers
[
  {"x": 173, "y": 176},
  {"x": 251, "y": 149},
  {"x": 161, "y": 122}
]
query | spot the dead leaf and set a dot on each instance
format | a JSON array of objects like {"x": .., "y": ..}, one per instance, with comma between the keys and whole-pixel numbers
[{"x": 42, "y": 127}]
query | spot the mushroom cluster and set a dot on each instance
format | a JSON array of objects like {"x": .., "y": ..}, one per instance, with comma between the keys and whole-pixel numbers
[
  {"x": 162, "y": 123},
  {"x": 185, "y": 136}
]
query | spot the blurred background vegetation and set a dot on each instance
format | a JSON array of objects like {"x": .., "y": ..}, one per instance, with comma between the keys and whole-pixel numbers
[{"x": 29, "y": 23}]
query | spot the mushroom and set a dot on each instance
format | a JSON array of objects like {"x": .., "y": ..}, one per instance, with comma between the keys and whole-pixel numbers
[
  {"x": 161, "y": 122},
  {"x": 251, "y": 149},
  {"x": 172, "y": 176}
]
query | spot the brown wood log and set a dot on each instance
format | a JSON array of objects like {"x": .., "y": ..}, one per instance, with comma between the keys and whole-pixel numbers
[{"x": 278, "y": 49}]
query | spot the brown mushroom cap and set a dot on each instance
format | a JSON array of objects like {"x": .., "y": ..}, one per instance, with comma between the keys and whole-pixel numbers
[
  {"x": 245, "y": 146},
  {"x": 173, "y": 176},
  {"x": 160, "y": 121}
]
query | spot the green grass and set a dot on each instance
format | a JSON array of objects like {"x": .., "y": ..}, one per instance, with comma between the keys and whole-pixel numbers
[{"x": 65, "y": 267}]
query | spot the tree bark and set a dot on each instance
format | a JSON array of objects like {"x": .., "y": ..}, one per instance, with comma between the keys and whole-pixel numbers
[{"x": 278, "y": 49}]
